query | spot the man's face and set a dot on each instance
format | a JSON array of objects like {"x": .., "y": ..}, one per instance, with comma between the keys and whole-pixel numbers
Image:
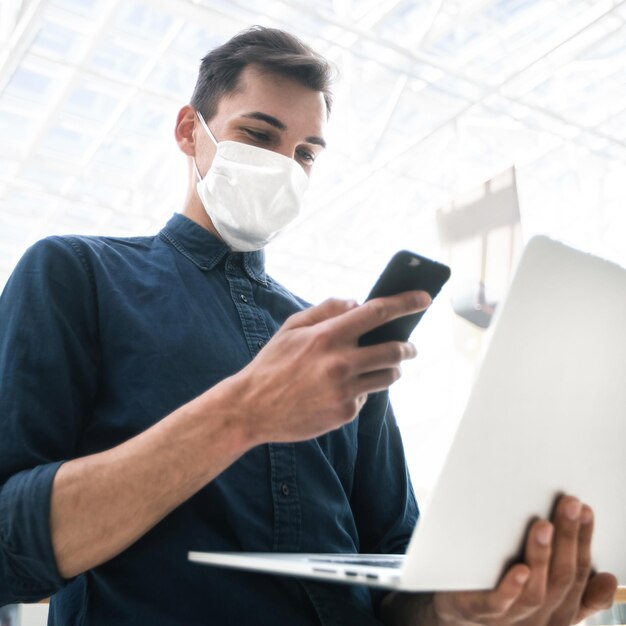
[{"x": 268, "y": 111}]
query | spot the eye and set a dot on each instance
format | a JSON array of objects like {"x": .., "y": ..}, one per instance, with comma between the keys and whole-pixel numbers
[
  {"x": 256, "y": 135},
  {"x": 306, "y": 155}
]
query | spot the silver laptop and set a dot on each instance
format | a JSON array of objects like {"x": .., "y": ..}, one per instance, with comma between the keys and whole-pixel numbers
[{"x": 547, "y": 415}]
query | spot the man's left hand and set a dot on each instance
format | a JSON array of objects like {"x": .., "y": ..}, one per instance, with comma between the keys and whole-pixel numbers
[{"x": 554, "y": 586}]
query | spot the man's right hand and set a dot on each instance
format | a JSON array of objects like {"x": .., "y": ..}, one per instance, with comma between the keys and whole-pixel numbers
[
  {"x": 313, "y": 377},
  {"x": 310, "y": 378}
]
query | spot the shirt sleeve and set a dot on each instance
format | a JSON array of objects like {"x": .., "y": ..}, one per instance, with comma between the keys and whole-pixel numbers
[
  {"x": 48, "y": 371},
  {"x": 383, "y": 502}
]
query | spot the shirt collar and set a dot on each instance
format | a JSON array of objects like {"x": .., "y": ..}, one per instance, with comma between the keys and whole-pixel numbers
[{"x": 205, "y": 250}]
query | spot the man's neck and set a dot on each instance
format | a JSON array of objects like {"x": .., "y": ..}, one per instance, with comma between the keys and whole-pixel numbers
[{"x": 194, "y": 210}]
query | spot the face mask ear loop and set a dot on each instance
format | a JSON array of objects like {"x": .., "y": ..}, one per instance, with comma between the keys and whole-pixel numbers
[
  {"x": 195, "y": 167},
  {"x": 204, "y": 125},
  {"x": 210, "y": 134}
]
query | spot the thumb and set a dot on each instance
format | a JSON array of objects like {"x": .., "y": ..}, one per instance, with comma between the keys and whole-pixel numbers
[
  {"x": 326, "y": 310},
  {"x": 599, "y": 594}
]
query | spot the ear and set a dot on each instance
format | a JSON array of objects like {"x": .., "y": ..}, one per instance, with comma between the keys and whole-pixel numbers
[{"x": 185, "y": 126}]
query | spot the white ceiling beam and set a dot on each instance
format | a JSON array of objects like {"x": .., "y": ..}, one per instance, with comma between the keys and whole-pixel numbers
[
  {"x": 195, "y": 12},
  {"x": 9, "y": 16},
  {"x": 367, "y": 171},
  {"x": 56, "y": 104},
  {"x": 13, "y": 52},
  {"x": 99, "y": 77},
  {"x": 434, "y": 12},
  {"x": 192, "y": 11},
  {"x": 598, "y": 11},
  {"x": 384, "y": 118},
  {"x": 129, "y": 95}
]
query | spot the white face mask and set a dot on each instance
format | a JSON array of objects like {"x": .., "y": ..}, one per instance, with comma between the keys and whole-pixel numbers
[{"x": 250, "y": 193}]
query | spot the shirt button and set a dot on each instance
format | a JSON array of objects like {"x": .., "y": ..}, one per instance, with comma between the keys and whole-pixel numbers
[
  {"x": 285, "y": 489},
  {"x": 261, "y": 343},
  {"x": 243, "y": 298}
]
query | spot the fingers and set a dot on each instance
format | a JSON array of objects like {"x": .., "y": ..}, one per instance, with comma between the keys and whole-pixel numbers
[
  {"x": 376, "y": 381},
  {"x": 382, "y": 356},
  {"x": 564, "y": 548},
  {"x": 365, "y": 369},
  {"x": 537, "y": 556},
  {"x": 508, "y": 592},
  {"x": 315, "y": 356},
  {"x": 380, "y": 311},
  {"x": 559, "y": 557},
  {"x": 481, "y": 607},
  {"x": 314, "y": 315},
  {"x": 350, "y": 321},
  {"x": 598, "y": 595},
  {"x": 572, "y": 593},
  {"x": 571, "y": 604},
  {"x": 553, "y": 587},
  {"x": 375, "y": 368}
]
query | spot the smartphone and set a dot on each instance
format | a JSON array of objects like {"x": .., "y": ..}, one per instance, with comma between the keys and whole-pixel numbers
[{"x": 406, "y": 271}]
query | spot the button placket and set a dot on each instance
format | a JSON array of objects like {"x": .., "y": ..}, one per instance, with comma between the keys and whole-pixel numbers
[
  {"x": 287, "y": 511},
  {"x": 242, "y": 294}
]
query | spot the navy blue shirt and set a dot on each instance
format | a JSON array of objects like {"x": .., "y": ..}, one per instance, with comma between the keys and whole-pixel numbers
[{"x": 102, "y": 337}]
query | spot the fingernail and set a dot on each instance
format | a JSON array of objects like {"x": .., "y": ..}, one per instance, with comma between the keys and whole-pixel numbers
[
  {"x": 423, "y": 299},
  {"x": 522, "y": 577},
  {"x": 572, "y": 510},
  {"x": 411, "y": 351},
  {"x": 544, "y": 535},
  {"x": 586, "y": 516}
]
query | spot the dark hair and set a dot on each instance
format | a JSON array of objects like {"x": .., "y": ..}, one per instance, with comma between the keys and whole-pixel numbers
[{"x": 269, "y": 48}]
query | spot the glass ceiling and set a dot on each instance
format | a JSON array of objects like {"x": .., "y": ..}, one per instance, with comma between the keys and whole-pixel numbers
[{"x": 434, "y": 97}]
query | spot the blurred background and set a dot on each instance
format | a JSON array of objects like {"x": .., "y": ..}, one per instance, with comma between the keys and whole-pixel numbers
[{"x": 461, "y": 128}]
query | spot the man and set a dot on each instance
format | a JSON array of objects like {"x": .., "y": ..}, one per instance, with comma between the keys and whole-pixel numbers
[{"x": 163, "y": 394}]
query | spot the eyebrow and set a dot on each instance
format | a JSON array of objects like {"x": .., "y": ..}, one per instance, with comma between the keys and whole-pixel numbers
[{"x": 276, "y": 123}]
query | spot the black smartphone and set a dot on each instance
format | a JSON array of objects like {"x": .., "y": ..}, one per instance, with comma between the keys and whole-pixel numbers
[{"x": 406, "y": 271}]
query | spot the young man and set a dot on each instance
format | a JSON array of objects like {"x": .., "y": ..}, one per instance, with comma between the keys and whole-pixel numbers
[{"x": 163, "y": 394}]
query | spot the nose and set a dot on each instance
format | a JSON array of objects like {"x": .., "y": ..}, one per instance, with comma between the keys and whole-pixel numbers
[{"x": 286, "y": 149}]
